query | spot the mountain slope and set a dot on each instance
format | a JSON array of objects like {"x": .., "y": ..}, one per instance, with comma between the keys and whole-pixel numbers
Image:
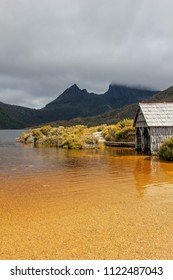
[
  {"x": 6, "y": 122},
  {"x": 162, "y": 96},
  {"x": 119, "y": 96},
  {"x": 116, "y": 115},
  {"x": 75, "y": 102},
  {"x": 18, "y": 116},
  {"x": 72, "y": 103}
]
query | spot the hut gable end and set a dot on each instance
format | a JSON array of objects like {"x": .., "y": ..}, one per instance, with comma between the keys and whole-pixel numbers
[{"x": 140, "y": 120}]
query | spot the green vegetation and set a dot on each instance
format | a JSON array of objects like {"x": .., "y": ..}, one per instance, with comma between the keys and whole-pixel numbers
[
  {"x": 75, "y": 137},
  {"x": 166, "y": 150},
  {"x": 6, "y": 122},
  {"x": 123, "y": 131},
  {"x": 78, "y": 136},
  {"x": 109, "y": 118}
]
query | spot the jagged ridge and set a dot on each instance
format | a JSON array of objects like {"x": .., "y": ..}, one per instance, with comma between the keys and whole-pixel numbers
[{"x": 73, "y": 102}]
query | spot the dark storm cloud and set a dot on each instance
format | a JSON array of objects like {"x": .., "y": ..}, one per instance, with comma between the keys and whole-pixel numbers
[{"x": 47, "y": 45}]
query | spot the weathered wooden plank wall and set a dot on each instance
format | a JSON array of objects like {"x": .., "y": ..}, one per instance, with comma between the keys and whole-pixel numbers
[{"x": 158, "y": 135}]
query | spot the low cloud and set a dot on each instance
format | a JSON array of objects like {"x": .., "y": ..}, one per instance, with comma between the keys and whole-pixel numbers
[{"x": 48, "y": 45}]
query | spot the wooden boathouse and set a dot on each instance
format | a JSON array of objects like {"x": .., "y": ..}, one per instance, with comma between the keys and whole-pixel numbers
[{"x": 153, "y": 123}]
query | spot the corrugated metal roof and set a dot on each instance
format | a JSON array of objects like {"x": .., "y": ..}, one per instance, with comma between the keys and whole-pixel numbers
[{"x": 157, "y": 114}]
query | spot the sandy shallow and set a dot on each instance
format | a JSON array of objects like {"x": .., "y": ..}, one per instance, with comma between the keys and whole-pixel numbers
[{"x": 102, "y": 213}]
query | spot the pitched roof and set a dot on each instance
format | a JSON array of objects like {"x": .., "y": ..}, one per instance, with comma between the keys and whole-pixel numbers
[{"x": 157, "y": 114}]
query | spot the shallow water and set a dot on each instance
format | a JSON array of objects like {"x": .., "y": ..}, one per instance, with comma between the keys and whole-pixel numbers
[{"x": 60, "y": 204}]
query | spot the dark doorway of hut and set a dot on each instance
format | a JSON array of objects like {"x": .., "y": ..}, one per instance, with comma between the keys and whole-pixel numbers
[
  {"x": 143, "y": 141},
  {"x": 146, "y": 141}
]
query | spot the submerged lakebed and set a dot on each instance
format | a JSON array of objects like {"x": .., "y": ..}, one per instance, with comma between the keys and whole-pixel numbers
[{"x": 83, "y": 204}]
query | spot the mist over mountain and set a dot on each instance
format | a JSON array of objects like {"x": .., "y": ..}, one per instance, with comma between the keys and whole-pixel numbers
[{"x": 72, "y": 103}]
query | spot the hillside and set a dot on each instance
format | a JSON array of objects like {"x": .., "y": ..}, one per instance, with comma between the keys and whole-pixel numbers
[
  {"x": 162, "y": 96},
  {"x": 73, "y": 103},
  {"x": 6, "y": 122},
  {"x": 12, "y": 116},
  {"x": 111, "y": 117},
  {"x": 117, "y": 115},
  {"x": 119, "y": 96}
]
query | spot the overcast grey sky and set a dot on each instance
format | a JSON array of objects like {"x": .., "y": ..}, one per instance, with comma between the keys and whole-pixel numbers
[{"x": 48, "y": 45}]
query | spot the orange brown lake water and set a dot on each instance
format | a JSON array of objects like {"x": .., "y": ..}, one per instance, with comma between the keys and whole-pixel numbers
[{"x": 61, "y": 204}]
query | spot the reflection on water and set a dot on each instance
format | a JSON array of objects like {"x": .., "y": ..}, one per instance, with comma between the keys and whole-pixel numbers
[{"x": 61, "y": 204}]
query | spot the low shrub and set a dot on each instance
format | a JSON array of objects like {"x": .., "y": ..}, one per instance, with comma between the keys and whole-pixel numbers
[
  {"x": 166, "y": 150},
  {"x": 122, "y": 131},
  {"x": 126, "y": 134},
  {"x": 79, "y": 136}
]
